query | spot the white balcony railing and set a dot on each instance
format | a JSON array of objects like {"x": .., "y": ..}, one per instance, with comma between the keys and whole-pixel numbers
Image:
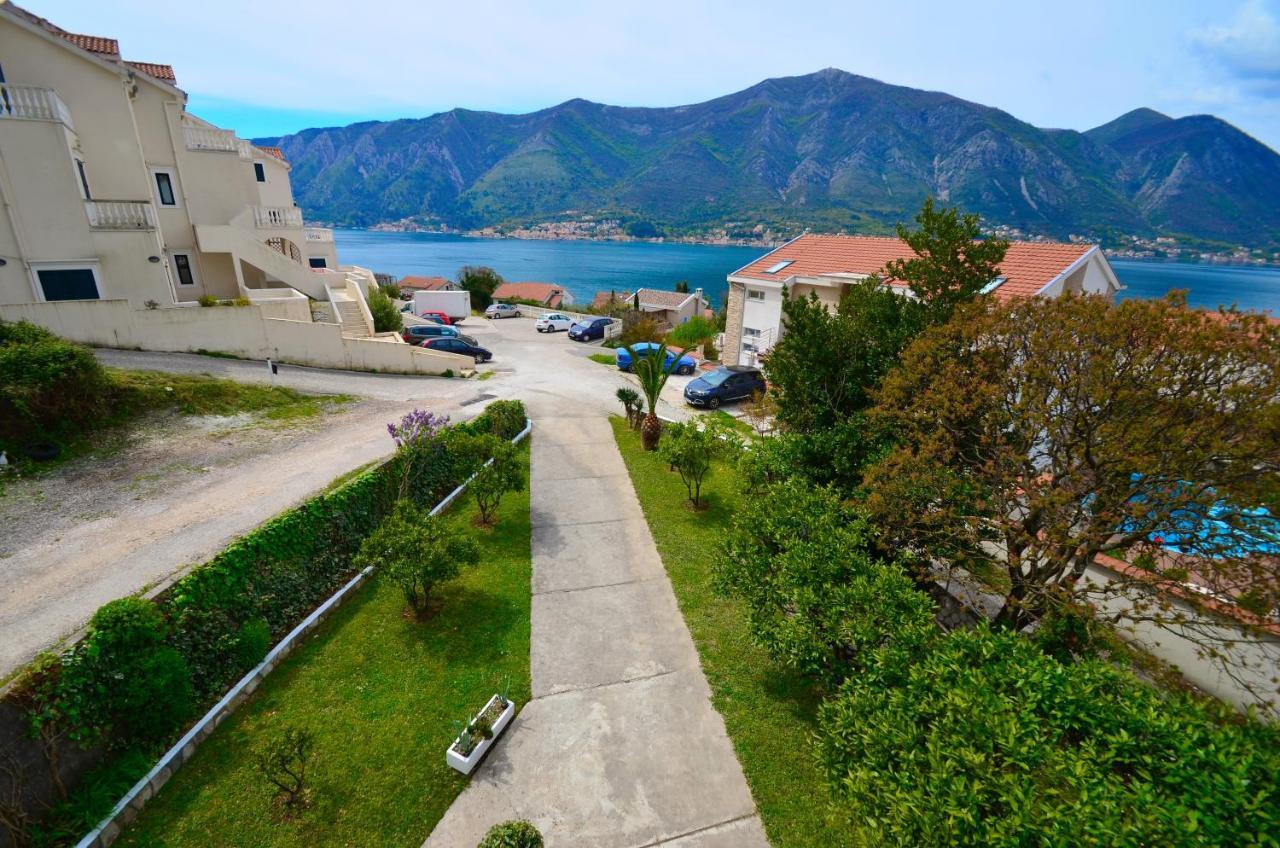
[
  {"x": 318, "y": 234},
  {"x": 207, "y": 138},
  {"x": 120, "y": 214},
  {"x": 33, "y": 103},
  {"x": 277, "y": 217}
]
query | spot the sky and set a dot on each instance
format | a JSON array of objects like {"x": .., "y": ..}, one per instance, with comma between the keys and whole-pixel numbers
[{"x": 267, "y": 69}]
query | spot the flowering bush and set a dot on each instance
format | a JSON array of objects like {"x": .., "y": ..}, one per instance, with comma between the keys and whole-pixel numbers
[{"x": 417, "y": 426}]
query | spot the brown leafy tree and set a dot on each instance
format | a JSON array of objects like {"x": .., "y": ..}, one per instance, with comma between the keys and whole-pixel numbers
[{"x": 1037, "y": 435}]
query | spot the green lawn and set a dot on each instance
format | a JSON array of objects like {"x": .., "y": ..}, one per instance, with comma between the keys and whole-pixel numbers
[
  {"x": 603, "y": 358},
  {"x": 381, "y": 694},
  {"x": 768, "y": 711},
  {"x": 135, "y": 393}
]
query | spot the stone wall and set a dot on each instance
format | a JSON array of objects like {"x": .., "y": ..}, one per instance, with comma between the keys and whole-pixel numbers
[{"x": 733, "y": 325}]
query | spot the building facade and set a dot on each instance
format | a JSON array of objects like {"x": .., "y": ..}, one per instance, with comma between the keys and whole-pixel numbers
[{"x": 825, "y": 265}]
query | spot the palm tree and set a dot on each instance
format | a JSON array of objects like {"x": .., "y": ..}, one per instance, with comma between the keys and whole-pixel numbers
[
  {"x": 652, "y": 373},
  {"x": 632, "y": 403}
]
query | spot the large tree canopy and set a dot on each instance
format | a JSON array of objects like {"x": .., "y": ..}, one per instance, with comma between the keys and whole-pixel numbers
[{"x": 1039, "y": 434}]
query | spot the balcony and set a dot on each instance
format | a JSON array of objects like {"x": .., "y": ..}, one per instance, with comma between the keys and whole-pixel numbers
[
  {"x": 318, "y": 234},
  {"x": 212, "y": 139},
  {"x": 33, "y": 103},
  {"x": 120, "y": 214},
  {"x": 277, "y": 217}
]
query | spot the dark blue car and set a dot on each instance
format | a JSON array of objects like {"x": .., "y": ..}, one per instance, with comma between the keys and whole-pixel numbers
[
  {"x": 589, "y": 329},
  {"x": 732, "y": 382},
  {"x": 683, "y": 365}
]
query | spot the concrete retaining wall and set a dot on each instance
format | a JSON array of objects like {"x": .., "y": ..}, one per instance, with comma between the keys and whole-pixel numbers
[{"x": 244, "y": 331}]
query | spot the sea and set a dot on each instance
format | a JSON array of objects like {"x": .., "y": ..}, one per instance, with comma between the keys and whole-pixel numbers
[{"x": 587, "y": 267}]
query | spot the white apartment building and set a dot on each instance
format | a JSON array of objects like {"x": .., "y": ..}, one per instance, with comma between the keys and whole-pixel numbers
[
  {"x": 825, "y": 265},
  {"x": 120, "y": 210}
]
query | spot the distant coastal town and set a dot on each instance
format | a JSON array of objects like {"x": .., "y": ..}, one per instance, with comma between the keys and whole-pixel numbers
[{"x": 592, "y": 228}]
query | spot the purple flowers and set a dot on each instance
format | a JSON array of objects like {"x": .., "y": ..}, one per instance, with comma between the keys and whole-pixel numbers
[{"x": 417, "y": 426}]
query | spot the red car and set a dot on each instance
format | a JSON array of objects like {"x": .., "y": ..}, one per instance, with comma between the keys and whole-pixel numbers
[{"x": 438, "y": 317}]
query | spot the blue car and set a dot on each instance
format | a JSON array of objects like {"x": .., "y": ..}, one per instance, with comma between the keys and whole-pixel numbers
[
  {"x": 683, "y": 365},
  {"x": 728, "y": 383},
  {"x": 589, "y": 329}
]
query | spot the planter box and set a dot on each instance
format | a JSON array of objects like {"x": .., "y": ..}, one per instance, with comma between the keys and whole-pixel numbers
[{"x": 468, "y": 763}]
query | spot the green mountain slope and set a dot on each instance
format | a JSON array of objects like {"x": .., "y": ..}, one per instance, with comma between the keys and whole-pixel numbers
[{"x": 830, "y": 149}]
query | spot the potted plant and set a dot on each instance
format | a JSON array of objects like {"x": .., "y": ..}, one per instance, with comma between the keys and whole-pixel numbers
[{"x": 479, "y": 734}]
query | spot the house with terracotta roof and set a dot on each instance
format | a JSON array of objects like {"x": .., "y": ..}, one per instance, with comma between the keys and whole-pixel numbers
[
  {"x": 605, "y": 300},
  {"x": 825, "y": 265},
  {"x": 550, "y": 295},
  {"x": 669, "y": 308},
  {"x": 410, "y": 283},
  {"x": 122, "y": 209}
]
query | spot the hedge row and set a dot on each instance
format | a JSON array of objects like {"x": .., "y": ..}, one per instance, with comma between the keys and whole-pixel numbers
[
  {"x": 145, "y": 666},
  {"x": 46, "y": 384}
]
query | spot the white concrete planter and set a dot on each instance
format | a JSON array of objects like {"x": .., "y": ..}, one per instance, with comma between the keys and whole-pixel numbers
[{"x": 468, "y": 763}]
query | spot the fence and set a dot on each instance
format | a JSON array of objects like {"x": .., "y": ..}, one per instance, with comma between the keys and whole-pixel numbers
[{"x": 128, "y": 807}]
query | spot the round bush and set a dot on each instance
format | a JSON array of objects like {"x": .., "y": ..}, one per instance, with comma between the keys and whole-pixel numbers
[
  {"x": 46, "y": 383},
  {"x": 253, "y": 640},
  {"x": 512, "y": 834}
]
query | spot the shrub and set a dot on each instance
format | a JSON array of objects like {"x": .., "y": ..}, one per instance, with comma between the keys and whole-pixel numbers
[
  {"x": 46, "y": 384},
  {"x": 988, "y": 741},
  {"x": 387, "y": 317},
  {"x": 767, "y": 462},
  {"x": 691, "y": 450},
  {"x": 252, "y": 642},
  {"x": 512, "y": 834},
  {"x": 505, "y": 419},
  {"x": 242, "y": 300},
  {"x": 207, "y": 300},
  {"x": 817, "y": 597},
  {"x": 283, "y": 762},
  {"x": 638, "y": 327},
  {"x": 417, "y": 551},
  {"x": 504, "y": 474},
  {"x": 632, "y": 405},
  {"x": 692, "y": 333}
]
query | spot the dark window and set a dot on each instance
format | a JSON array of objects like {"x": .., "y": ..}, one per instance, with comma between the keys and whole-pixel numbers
[
  {"x": 68, "y": 284},
  {"x": 164, "y": 187},
  {"x": 317, "y": 262},
  {"x": 260, "y": 172},
  {"x": 182, "y": 263},
  {"x": 84, "y": 179}
]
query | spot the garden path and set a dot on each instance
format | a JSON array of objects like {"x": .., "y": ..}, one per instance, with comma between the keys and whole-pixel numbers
[{"x": 620, "y": 745}]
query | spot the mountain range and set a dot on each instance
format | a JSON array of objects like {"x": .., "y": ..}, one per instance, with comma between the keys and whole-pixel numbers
[{"x": 829, "y": 150}]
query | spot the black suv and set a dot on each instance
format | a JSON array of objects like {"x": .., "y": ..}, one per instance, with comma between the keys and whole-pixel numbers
[{"x": 729, "y": 382}]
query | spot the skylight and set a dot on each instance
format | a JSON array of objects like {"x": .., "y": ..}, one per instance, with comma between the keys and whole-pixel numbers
[
  {"x": 773, "y": 269},
  {"x": 993, "y": 285}
]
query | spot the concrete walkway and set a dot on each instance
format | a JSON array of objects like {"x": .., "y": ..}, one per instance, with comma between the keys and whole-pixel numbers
[{"x": 620, "y": 745}]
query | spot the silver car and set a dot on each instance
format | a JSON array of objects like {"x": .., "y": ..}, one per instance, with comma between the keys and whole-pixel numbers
[{"x": 501, "y": 310}]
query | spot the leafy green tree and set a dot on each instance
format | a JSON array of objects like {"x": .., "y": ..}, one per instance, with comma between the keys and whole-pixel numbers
[
  {"x": 692, "y": 450},
  {"x": 417, "y": 551},
  {"x": 504, "y": 474},
  {"x": 1039, "y": 434},
  {"x": 692, "y": 333},
  {"x": 985, "y": 740},
  {"x": 953, "y": 263},
  {"x": 818, "y": 597},
  {"x": 482, "y": 282},
  {"x": 652, "y": 372},
  {"x": 682, "y": 287},
  {"x": 387, "y": 317}
]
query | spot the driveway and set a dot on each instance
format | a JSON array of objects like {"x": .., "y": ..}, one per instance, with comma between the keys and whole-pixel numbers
[{"x": 96, "y": 531}]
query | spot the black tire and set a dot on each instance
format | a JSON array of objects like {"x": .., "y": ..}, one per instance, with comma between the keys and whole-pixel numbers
[
  {"x": 714, "y": 403},
  {"x": 480, "y": 360}
]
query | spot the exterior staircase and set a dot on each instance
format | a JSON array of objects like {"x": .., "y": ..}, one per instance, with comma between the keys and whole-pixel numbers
[
  {"x": 242, "y": 243},
  {"x": 349, "y": 316}
]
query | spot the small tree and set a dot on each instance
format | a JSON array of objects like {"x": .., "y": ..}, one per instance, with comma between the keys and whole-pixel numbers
[
  {"x": 697, "y": 330},
  {"x": 652, "y": 372},
  {"x": 504, "y": 474},
  {"x": 413, "y": 436},
  {"x": 632, "y": 405},
  {"x": 682, "y": 286},
  {"x": 760, "y": 411},
  {"x": 482, "y": 282},
  {"x": 639, "y": 327},
  {"x": 387, "y": 317},
  {"x": 417, "y": 551},
  {"x": 692, "y": 450},
  {"x": 512, "y": 834},
  {"x": 283, "y": 762}
]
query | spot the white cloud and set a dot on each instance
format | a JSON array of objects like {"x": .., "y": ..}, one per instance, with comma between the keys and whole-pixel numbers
[{"x": 1248, "y": 45}]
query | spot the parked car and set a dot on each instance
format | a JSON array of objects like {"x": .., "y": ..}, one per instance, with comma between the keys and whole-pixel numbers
[
  {"x": 447, "y": 344},
  {"x": 437, "y": 317},
  {"x": 501, "y": 310},
  {"x": 683, "y": 365},
  {"x": 729, "y": 383},
  {"x": 553, "y": 322},
  {"x": 588, "y": 329},
  {"x": 421, "y": 332}
]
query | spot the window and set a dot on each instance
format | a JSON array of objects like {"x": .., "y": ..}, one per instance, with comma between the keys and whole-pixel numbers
[
  {"x": 182, "y": 267},
  {"x": 317, "y": 262},
  {"x": 164, "y": 188},
  {"x": 773, "y": 269},
  {"x": 84, "y": 180},
  {"x": 68, "y": 283},
  {"x": 755, "y": 294},
  {"x": 260, "y": 172},
  {"x": 750, "y": 333}
]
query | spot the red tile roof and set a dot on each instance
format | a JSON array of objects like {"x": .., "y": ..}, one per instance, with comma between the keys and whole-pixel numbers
[
  {"x": 161, "y": 72},
  {"x": 1027, "y": 267},
  {"x": 548, "y": 294},
  {"x": 92, "y": 43},
  {"x": 272, "y": 151},
  {"x": 424, "y": 283},
  {"x": 601, "y": 300}
]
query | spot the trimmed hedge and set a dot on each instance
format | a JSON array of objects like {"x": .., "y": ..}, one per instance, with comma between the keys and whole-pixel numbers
[
  {"x": 988, "y": 741},
  {"x": 46, "y": 383}
]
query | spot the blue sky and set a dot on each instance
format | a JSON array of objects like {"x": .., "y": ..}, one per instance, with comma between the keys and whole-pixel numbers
[{"x": 270, "y": 68}]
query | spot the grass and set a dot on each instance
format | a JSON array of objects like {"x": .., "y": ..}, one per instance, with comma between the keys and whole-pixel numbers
[
  {"x": 381, "y": 693},
  {"x": 603, "y": 359},
  {"x": 770, "y": 712},
  {"x": 736, "y": 423}
]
